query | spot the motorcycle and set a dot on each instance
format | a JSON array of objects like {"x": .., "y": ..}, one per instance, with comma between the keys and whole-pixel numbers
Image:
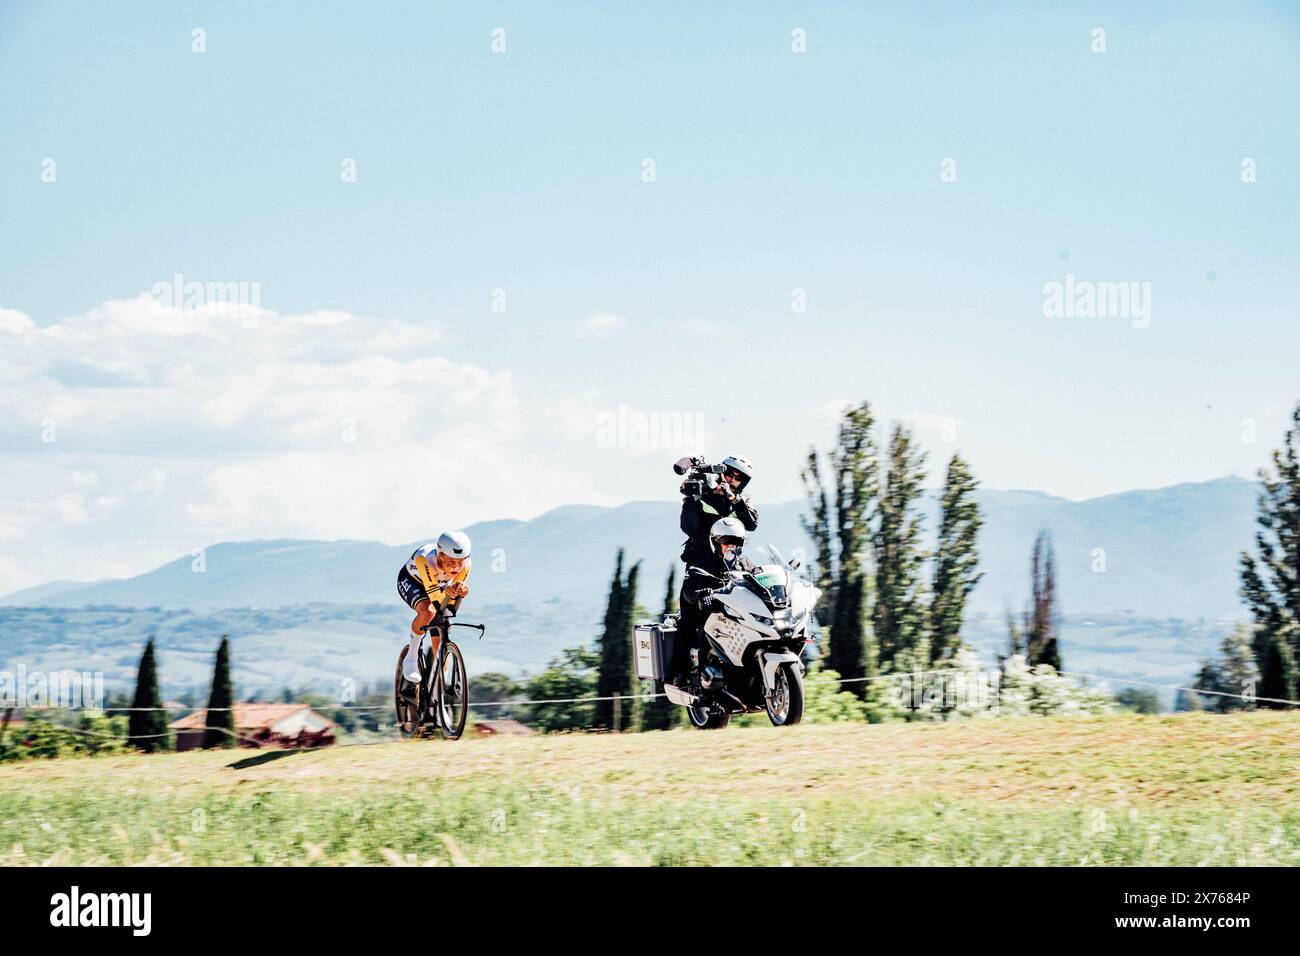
[{"x": 757, "y": 625}]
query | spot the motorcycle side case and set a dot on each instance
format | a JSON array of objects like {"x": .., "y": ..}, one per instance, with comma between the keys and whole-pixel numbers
[{"x": 652, "y": 649}]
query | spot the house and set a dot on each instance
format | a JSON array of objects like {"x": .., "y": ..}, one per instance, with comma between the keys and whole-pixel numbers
[
  {"x": 501, "y": 728},
  {"x": 261, "y": 725}
]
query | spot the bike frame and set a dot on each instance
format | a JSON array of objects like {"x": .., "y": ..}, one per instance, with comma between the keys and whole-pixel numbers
[{"x": 434, "y": 680}]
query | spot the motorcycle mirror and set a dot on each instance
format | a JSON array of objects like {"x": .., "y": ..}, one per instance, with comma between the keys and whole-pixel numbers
[{"x": 796, "y": 563}]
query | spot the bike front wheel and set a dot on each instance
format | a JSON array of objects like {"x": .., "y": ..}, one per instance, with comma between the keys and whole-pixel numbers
[{"x": 453, "y": 704}]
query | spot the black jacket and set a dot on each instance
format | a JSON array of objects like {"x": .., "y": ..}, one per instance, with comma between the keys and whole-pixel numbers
[
  {"x": 698, "y": 518},
  {"x": 694, "y": 585}
]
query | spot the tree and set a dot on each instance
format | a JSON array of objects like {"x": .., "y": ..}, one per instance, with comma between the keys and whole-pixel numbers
[
  {"x": 658, "y": 713},
  {"x": 1138, "y": 701},
  {"x": 1187, "y": 702},
  {"x": 570, "y": 676},
  {"x": 627, "y": 713},
  {"x": 840, "y": 528},
  {"x": 1208, "y": 680},
  {"x": 1270, "y": 582},
  {"x": 900, "y": 619},
  {"x": 220, "y": 722},
  {"x": 955, "y": 559},
  {"x": 495, "y": 686},
  {"x": 1231, "y": 680},
  {"x": 1015, "y": 638},
  {"x": 1042, "y": 630},
  {"x": 1238, "y": 673},
  {"x": 614, "y": 674},
  {"x": 147, "y": 724},
  {"x": 826, "y": 703}
]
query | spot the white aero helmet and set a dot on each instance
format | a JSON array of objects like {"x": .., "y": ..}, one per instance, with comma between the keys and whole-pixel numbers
[
  {"x": 724, "y": 529},
  {"x": 742, "y": 465},
  {"x": 454, "y": 544}
]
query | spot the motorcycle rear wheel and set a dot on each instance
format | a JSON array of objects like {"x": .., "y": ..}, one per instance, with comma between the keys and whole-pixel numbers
[{"x": 703, "y": 719}]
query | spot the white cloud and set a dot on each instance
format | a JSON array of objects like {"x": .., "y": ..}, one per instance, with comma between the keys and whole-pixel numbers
[
  {"x": 177, "y": 430},
  {"x": 14, "y": 322}
]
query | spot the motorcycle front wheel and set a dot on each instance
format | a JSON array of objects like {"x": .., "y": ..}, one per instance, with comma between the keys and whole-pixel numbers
[{"x": 784, "y": 701}]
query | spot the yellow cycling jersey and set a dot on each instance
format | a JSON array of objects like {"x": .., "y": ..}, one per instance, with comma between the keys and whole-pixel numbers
[{"x": 423, "y": 567}]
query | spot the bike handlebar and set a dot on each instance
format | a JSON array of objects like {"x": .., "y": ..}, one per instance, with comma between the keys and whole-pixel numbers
[{"x": 477, "y": 627}]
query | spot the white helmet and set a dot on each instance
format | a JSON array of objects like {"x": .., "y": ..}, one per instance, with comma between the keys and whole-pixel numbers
[
  {"x": 742, "y": 465},
  {"x": 454, "y": 544},
  {"x": 727, "y": 528}
]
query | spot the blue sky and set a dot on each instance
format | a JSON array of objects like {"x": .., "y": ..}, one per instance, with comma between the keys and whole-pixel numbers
[{"x": 522, "y": 171}]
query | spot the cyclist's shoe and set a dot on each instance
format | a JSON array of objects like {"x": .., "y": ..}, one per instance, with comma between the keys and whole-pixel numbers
[
  {"x": 408, "y": 692},
  {"x": 411, "y": 668}
]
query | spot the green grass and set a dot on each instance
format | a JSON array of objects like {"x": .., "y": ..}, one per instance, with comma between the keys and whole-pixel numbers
[{"x": 1117, "y": 790}]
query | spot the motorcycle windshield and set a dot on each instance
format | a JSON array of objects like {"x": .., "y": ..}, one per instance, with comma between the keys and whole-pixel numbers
[
  {"x": 764, "y": 554},
  {"x": 772, "y": 574}
]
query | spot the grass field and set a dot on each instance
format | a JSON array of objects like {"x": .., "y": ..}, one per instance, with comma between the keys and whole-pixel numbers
[{"x": 1119, "y": 790}]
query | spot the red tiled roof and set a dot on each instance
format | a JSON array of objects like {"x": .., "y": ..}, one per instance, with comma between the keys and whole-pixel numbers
[
  {"x": 506, "y": 727},
  {"x": 247, "y": 716}
]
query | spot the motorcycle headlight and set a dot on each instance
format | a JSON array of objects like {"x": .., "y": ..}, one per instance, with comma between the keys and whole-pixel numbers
[{"x": 763, "y": 620}]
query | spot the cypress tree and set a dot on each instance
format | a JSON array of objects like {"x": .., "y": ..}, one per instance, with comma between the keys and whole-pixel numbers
[
  {"x": 900, "y": 619},
  {"x": 220, "y": 721},
  {"x": 614, "y": 671},
  {"x": 955, "y": 559},
  {"x": 147, "y": 725},
  {"x": 1270, "y": 583},
  {"x": 839, "y": 525},
  {"x": 658, "y": 713},
  {"x": 627, "y": 714},
  {"x": 1043, "y": 621}
]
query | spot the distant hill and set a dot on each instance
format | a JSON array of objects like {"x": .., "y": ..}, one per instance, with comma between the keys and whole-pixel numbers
[
  {"x": 328, "y": 611},
  {"x": 1171, "y": 552}
]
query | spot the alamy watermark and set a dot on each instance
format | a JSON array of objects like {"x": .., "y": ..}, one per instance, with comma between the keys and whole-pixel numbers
[
  {"x": 66, "y": 689},
  {"x": 945, "y": 690},
  {"x": 242, "y": 300},
  {"x": 1085, "y": 299},
  {"x": 627, "y": 427}
]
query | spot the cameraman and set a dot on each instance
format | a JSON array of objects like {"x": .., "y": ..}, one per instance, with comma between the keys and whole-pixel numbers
[{"x": 699, "y": 512}]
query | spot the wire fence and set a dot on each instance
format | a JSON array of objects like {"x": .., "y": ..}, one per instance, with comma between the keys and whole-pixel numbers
[{"x": 630, "y": 698}]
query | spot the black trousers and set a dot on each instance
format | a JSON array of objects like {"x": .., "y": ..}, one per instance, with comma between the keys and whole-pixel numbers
[{"x": 689, "y": 623}]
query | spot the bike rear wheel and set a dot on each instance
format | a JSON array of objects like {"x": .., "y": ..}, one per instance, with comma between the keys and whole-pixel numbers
[
  {"x": 453, "y": 705},
  {"x": 407, "y": 709}
]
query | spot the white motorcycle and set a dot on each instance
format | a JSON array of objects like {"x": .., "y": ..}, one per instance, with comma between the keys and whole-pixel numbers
[{"x": 757, "y": 625}]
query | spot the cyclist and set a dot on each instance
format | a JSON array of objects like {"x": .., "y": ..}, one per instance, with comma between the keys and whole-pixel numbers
[{"x": 432, "y": 582}]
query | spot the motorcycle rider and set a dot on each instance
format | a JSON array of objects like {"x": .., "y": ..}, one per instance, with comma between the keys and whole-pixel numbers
[
  {"x": 700, "y": 515},
  {"x": 431, "y": 582}
]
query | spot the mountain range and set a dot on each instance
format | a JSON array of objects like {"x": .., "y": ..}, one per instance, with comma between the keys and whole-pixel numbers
[{"x": 1167, "y": 557}]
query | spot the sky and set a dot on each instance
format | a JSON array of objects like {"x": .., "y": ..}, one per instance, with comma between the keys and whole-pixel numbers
[{"x": 483, "y": 235}]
